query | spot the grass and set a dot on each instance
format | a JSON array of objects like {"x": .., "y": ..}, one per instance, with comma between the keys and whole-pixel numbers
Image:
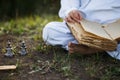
[
  {"x": 96, "y": 67},
  {"x": 27, "y": 25}
]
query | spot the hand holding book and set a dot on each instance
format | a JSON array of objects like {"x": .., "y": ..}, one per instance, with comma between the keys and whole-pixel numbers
[{"x": 73, "y": 16}]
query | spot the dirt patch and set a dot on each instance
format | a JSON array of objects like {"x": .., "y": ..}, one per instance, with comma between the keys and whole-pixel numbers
[{"x": 54, "y": 63}]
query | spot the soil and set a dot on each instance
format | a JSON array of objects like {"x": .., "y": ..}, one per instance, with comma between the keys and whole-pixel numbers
[{"x": 37, "y": 65}]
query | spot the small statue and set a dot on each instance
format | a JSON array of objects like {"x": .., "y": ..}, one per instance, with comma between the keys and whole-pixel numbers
[
  {"x": 23, "y": 50},
  {"x": 9, "y": 52}
]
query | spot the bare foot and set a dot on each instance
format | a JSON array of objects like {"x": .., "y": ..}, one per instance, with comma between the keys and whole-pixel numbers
[{"x": 82, "y": 49}]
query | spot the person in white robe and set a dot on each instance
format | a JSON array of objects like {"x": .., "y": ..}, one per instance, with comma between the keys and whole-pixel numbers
[{"x": 100, "y": 11}]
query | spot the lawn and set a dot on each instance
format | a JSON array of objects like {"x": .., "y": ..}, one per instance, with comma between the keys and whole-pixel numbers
[{"x": 44, "y": 62}]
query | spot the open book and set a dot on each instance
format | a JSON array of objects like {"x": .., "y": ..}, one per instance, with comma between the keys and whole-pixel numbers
[{"x": 95, "y": 35}]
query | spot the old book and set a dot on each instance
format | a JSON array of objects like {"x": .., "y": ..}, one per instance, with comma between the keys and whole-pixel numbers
[{"x": 104, "y": 37}]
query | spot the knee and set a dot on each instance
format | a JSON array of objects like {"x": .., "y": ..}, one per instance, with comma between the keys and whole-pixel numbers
[{"x": 47, "y": 31}]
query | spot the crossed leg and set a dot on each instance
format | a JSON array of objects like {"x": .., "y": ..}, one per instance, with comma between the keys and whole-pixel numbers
[{"x": 57, "y": 33}]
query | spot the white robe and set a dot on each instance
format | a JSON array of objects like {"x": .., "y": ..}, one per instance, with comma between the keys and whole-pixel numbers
[{"x": 101, "y": 11}]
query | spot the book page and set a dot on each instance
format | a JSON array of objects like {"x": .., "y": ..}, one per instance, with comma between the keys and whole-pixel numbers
[
  {"x": 113, "y": 29},
  {"x": 95, "y": 28}
]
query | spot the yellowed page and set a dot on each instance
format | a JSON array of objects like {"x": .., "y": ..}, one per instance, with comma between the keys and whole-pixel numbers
[
  {"x": 113, "y": 29},
  {"x": 94, "y": 28}
]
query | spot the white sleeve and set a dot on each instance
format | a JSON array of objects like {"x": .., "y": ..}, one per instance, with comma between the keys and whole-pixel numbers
[{"x": 67, "y": 6}]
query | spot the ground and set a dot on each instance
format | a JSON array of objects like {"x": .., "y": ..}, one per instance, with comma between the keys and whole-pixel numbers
[{"x": 44, "y": 62}]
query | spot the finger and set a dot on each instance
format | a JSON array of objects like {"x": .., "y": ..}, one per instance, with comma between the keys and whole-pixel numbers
[
  {"x": 77, "y": 16},
  {"x": 80, "y": 17},
  {"x": 69, "y": 19},
  {"x": 74, "y": 16}
]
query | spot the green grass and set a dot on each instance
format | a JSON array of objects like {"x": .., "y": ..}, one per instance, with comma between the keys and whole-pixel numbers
[{"x": 26, "y": 25}]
